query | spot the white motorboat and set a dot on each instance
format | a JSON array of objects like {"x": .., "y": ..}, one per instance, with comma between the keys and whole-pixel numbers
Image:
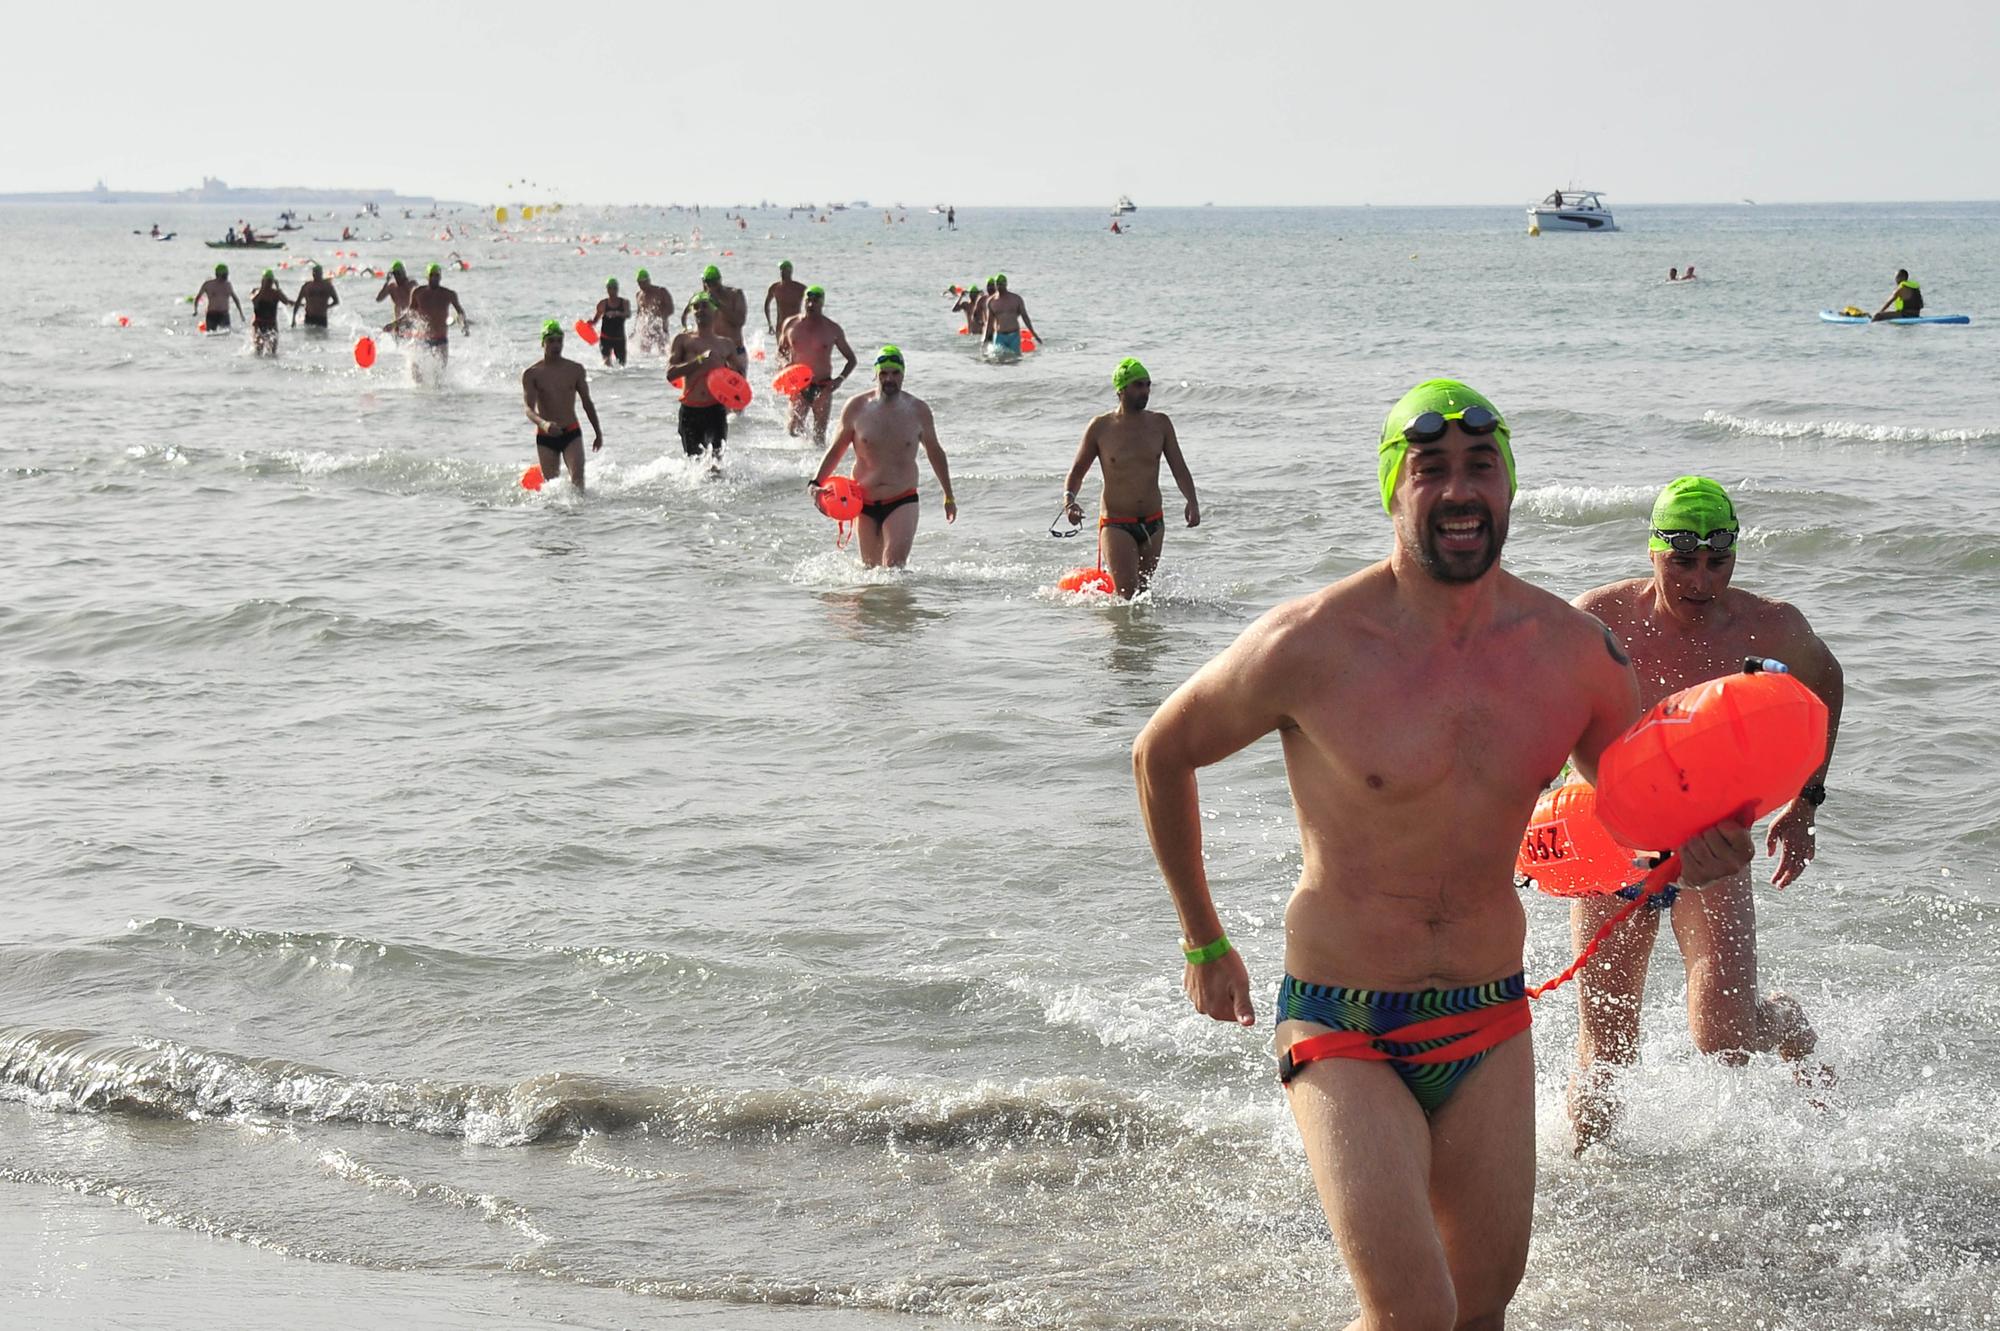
[
  {"x": 1123, "y": 206},
  {"x": 1571, "y": 210}
]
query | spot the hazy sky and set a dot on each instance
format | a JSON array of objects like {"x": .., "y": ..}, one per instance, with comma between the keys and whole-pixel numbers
[{"x": 1013, "y": 101}]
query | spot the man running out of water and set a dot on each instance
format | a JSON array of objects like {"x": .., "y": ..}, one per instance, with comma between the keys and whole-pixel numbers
[
  {"x": 886, "y": 427},
  {"x": 732, "y": 311},
  {"x": 397, "y": 288},
  {"x": 811, "y": 339},
  {"x": 704, "y": 422},
  {"x": 316, "y": 297},
  {"x": 656, "y": 309},
  {"x": 609, "y": 320},
  {"x": 1422, "y": 704},
  {"x": 212, "y": 301},
  {"x": 1683, "y": 625},
  {"x": 1006, "y": 314},
  {"x": 788, "y": 296},
  {"x": 264, "y": 302},
  {"x": 431, "y": 308},
  {"x": 550, "y": 390},
  {"x": 1129, "y": 443}
]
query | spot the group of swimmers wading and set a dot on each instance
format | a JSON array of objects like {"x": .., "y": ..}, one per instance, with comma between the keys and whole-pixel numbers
[
  {"x": 997, "y": 315},
  {"x": 1434, "y": 689}
]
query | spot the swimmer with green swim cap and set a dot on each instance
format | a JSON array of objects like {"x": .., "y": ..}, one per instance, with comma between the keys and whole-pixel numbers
[
  {"x": 264, "y": 302},
  {"x": 732, "y": 311},
  {"x": 810, "y": 339},
  {"x": 1004, "y": 315},
  {"x": 1423, "y": 702},
  {"x": 886, "y": 427},
  {"x": 397, "y": 288},
  {"x": 212, "y": 301},
  {"x": 1684, "y": 624},
  {"x": 656, "y": 311},
  {"x": 786, "y": 297},
  {"x": 1127, "y": 445},
  {"x": 1423, "y": 413},
  {"x": 609, "y": 319},
  {"x": 431, "y": 309},
  {"x": 550, "y": 391}
]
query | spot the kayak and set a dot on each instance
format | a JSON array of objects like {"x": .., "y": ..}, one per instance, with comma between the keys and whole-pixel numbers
[
  {"x": 240, "y": 245},
  {"x": 1835, "y": 317}
]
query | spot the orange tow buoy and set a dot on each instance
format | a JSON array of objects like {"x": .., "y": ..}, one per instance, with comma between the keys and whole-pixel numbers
[
  {"x": 793, "y": 380},
  {"x": 729, "y": 388},
  {"x": 839, "y": 498},
  {"x": 364, "y": 352},
  {"x": 1028, "y": 342},
  {"x": 1735, "y": 747},
  {"x": 531, "y": 479},
  {"x": 1087, "y": 580},
  {"x": 586, "y": 332},
  {"x": 124, "y": 321},
  {"x": 1567, "y": 850}
]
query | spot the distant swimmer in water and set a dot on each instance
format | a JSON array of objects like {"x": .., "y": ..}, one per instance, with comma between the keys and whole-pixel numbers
[
  {"x": 979, "y": 304},
  {"x": 212, "y": 301},
  {"x": 811, "y": 339},
  {"x": 656, "y": 308},
  {"x": 609, "y": 320},
  {"x": 1129, "y": 444},
  {"x": 1688, "y": 276},
  {"x": 789, "y": 297},
  {"x": 550, "y": 389},
  {"x": 1681, "y": 626},
  {"x": 731, "y": 312},
  {"x": 964, "y": 302},
  {"x": 264, "y": 302},
  {"x": 316, "y": 297},
  {"x": 431, "y": 308},
  {"x": 1907, "y": 302},
  {"x": 704, "y": 422},
  {"x": 1673, "y": 274},
  {"x": 886, "y": 427},
  {"x": 1422, "y": 703},
  {"x": 398, "y": 288},
  {"x": 1006, "y": 315}
]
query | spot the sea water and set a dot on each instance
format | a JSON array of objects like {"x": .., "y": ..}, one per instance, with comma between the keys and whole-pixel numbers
[{"x": 626, "y": 906}]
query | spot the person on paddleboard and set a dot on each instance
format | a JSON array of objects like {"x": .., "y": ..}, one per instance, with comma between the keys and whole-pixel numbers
[{"x": 1905, "y": 302}]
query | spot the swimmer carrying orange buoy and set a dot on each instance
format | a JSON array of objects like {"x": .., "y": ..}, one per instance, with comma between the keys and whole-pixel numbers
[{"x": 1129, "y": 444}]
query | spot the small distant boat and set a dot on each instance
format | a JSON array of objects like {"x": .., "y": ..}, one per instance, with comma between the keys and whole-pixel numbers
[
  {"x": 245, "y": 244},
  {"x": 1123, "y": 206},
  {"x": 1571, "y": 210}
]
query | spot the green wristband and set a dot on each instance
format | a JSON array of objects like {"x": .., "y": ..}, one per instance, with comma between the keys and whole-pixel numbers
[{"x": 1201, "y": 956}]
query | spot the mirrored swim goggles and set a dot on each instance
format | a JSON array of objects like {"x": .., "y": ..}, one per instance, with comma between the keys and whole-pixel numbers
[
  {"x": 1687, "y": 542},
  {"x": 1428, "y": 427}
]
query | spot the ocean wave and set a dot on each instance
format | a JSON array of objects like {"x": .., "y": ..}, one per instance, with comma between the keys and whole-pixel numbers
[
  {"x": 88, "y": 1072},
  {"x": 1843, "y": 430},
  {"x": 1587, "y": 503},
  {"x": 94, "y": 632}
]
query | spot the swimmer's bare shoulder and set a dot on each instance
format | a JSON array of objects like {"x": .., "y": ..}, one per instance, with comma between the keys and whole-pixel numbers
[{"x": 1616, "y": 604}]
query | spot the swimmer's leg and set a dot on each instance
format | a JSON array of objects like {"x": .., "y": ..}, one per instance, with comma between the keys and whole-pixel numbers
[
  {"x": 1608, "y": 995},
  {"x": 1369, "y": 1146},
  {"x": 549, "y": 460},
  {"x": 797, "y": 420},
  {"x": 1716, "y": 927},
  {"x": 822, "y": 409},
  {"x": 1483, "y": 1182},
  {"x": 1122, "y": 557},
  {"x": 899, "y": 533},
  {"x": 573, "y": 455},
  {"x": 1149, "y": 557},
  {"x": 868, "y": 538}
]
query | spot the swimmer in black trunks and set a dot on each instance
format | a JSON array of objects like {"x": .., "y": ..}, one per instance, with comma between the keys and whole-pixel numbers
[
  {"x": 886, "y": 426},
  {"x": 704, "y": 422},
  {"x": 1129, "y": 444},
  {"x": 315, "y": 299},
  {"x": 612, "y": 312},
  {"x": 551, "y": 388},
  {"x": 212, "y": 302},
  {"x": 811, "y": 339},
  {"x": 264, "y": 302}
]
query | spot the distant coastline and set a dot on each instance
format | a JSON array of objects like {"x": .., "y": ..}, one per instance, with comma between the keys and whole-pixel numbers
[{"x": 216, "y": 191}]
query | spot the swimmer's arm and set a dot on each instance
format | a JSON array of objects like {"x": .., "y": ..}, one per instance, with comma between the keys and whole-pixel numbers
[
  {"x": 841, "y": 344},
  {"x": 770, "y": 294},
  {"x": 785, "y": 336},
  {"x": 1182, "y": 476},
  {"x": 463, "y": 322},
  {"x": 1231, "y": 702},
  {"x": 332, "y": 296},
  {"x": 590, "y": 410},
  {"x": 528, "y": 402},
  {"x": 1608, "y": 681},
  {"x": 1028, "y": 323},
  {"x": 841, "y": 439},
  {"x": 383, "y": 294},
  {"x": 683, "y": 345},
  {"x": 927, "y": 435},
  {"x": 1086, "y": 455},
  {"x": 1814, "y": 663}
]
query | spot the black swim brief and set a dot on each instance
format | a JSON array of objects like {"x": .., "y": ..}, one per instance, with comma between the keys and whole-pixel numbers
[
  {"x": 315, "y": 321},
  {"x": 216, "y": 322},
  {"x": 875, "y": 510},
  {"x": 1141, "y": 530},
  {"x": 810, "y": 393},
  {"x": 560, "y": 440},
  {"x": 611, "y": 344},
  {"x": 703, "y": 427}
]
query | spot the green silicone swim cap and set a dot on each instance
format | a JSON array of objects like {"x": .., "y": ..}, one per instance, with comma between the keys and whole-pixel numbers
[
  {"x": 890, "y": 356},
  {"x": 702, "y": 301},
  {"x": 1691, "y": 503},
  {"x": 1449, "y": 397},
  {"x": 1128, "y": 370},
  {"x": 432, "y": 271},
  {"x": 551, "y": 328},
  {"x": 271, "y": 273},
  {"x": 222, "y": 270},
  {"x": 645, "y": 276},
  {"x": 396, "y": 267},
  {"x": 711, "y": 274},
  {"x": 1000, "y": 278},
  {"x": 784, "y": 265},
  {"x": 611, "y": 281},
  {"x": 819, "y": 291}
]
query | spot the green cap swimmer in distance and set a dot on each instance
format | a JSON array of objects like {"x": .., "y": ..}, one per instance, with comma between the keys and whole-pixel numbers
[
  {"x": 396, "y": 267},
  {"x": 611, "y": 282},
  {"x": 645, "y": 276},
  {"x": 784, "y": 265},
  {"x": 222, "y": 270},
  {"x": 551, "y": 328},
  {"x": 1127, "y": 372},
  {"x": 815, "y": 290},
  {"x": 1691, "y": 504},
  {"x": 890, "y": 357},
  {"x": 433, "y": 271},
  {"x": 711, "y": 274},
  {"x": 1450, "y": 399}
]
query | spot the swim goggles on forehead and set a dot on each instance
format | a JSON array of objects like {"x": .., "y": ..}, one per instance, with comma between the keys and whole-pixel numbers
[
  {"x": 1687, "y": 542},
  {"x": 1428, "y": 427}
]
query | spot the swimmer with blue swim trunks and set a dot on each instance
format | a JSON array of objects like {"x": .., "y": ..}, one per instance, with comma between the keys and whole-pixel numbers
[
  {"x": 1683, "y": 625},
  {"x": 1005, "y": 315},
  {"x": 1422, "y": 704}
]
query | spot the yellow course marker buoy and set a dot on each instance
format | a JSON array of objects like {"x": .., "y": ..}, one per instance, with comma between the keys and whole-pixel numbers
[
  {"x": 499, "y": 214},
  {"x": 1534, "y": 228}
]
